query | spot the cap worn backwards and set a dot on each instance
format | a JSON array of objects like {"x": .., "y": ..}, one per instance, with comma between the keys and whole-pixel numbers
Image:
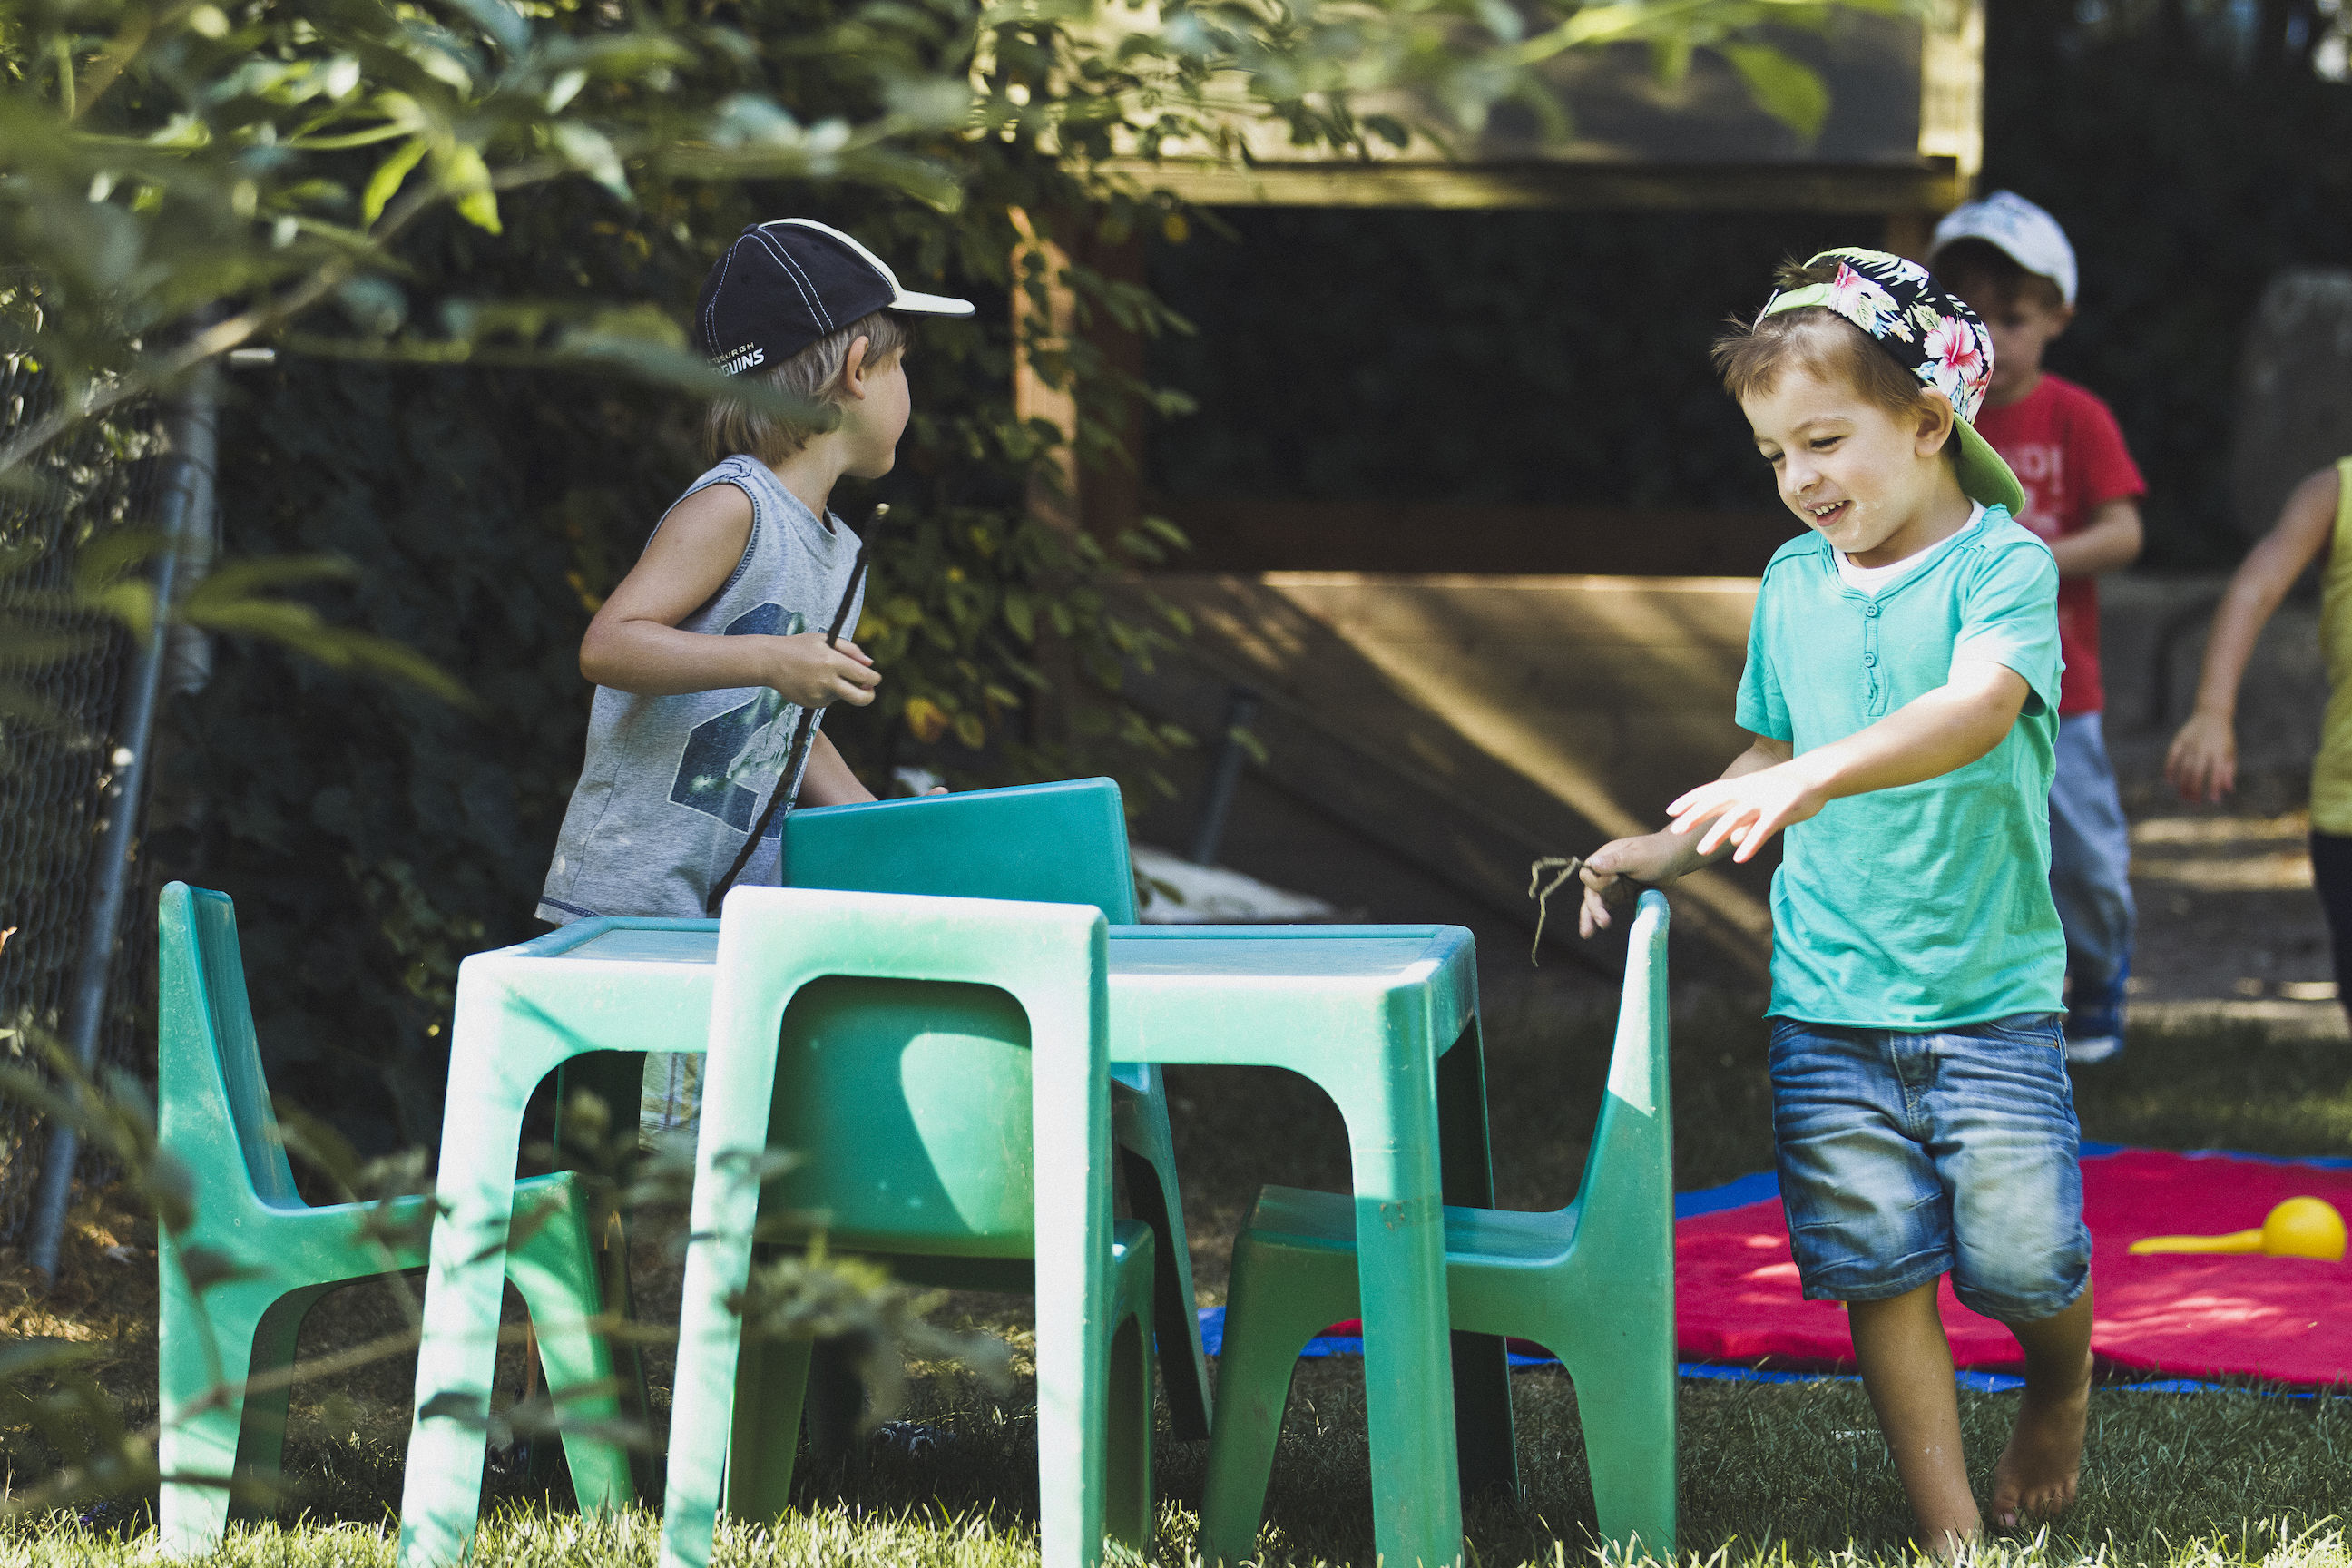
[
  {"x": 786, "y": 283},
  {"x": 1929, "y": 332}
]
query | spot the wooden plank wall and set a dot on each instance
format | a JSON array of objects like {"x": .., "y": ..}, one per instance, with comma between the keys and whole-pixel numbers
[{"x": 1468, "y": 724}]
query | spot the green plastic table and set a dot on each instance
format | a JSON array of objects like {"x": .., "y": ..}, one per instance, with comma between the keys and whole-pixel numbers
[{"x": 1383, "y": 1018}]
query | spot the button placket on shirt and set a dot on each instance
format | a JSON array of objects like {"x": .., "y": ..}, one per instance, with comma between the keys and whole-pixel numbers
[{"x": 1874, "y": 689}]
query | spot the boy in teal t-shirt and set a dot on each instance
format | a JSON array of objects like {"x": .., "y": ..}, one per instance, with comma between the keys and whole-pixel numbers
[{"x": 1901, "y": 689}]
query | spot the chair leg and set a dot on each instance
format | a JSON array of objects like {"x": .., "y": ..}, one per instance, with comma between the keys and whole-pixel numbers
[
  {"x": 1147, "y": 1152},
  {"x": 1128, "y": 1512},
  {"x": 261, "y": 1428},
  {"x": 1268, "y": 1321},
  {"x": 1127, "y": 1495},
  {"x": 1625, "y": 1402},
  {"x": 770, "y": 1386},
  {"x": 554, "y": 1271},
  {"x": 618, "y": 1077},
  {"x": 239, "y": 1435}
]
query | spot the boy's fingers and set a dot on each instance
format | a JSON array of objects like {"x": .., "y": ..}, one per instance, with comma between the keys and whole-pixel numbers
[
  {"x": 1721, "y": 818},
  {"x": 854, "y": 651},
  {"x": 1762, "y": 827},
  {"x": 1591, "y": 914}
]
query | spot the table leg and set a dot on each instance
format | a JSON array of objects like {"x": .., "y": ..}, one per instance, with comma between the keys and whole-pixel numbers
[
  {"x": 496, "y": 1059},
  {"x": 1070, "y": 1137},
  {"x": 725, "y": 1210},
  {"x": 1481, "y": 1368},
  {"x": 1393, "y": 1137}
]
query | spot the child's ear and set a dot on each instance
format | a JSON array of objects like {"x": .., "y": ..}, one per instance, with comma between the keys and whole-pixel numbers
[
  {"x": 1935, "y": 423},
  {"x": 853, "y": 368}
]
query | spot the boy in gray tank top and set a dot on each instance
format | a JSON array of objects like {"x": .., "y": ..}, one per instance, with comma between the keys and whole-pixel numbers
[{"x": 706, "y": 654}]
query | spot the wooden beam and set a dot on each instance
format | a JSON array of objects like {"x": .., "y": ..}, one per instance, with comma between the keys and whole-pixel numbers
[
  {"x": 1250, "y": 534},
  {"x": 1932, "y": 185}
]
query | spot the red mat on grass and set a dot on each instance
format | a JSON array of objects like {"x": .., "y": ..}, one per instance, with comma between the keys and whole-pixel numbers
[{"x": 2289, "y": 1319}]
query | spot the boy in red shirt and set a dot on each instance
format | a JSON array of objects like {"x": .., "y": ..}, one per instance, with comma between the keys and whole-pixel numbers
[{"x": 2012, "y": 264}]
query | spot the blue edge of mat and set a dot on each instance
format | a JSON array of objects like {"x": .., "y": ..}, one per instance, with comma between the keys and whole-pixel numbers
[{"x": 1758, "y": 1188}]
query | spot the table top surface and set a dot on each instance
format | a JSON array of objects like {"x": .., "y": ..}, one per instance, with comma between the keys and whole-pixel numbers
[{"x": 1138, "y": 953}]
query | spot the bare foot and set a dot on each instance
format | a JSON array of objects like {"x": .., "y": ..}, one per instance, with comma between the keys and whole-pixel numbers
[
  {"x": 1949, "y": 1545},
  {"x": 2035, "y": 1478}
]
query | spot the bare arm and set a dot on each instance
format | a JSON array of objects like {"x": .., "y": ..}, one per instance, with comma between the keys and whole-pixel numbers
[
  {"x": 2203, "y": 760},
  {"x": 827, "y": 781},
  {"x": 2108, "y": 543},
  {"x": 1660, "y": 858},
  {"x": 1928, "y": 737},
  {"x": 635, "y": 643}
]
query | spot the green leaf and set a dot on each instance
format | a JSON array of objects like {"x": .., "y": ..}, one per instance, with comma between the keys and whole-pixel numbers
[
  {"x": 499, "y": 20},
  {"x": 206, "y": 1267},
  {"x": 590, "y": 150},
  {"x": 1021, "y": 616},
  {"x": 26, "y": 1357},
  {"x": 384, "y": 184},
  {"x": 463, "y": 169},
  {"x": 1787, "y": 89}
]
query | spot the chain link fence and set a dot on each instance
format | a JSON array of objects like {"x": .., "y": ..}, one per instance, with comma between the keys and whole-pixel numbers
[{"x": 62, "y": 676}]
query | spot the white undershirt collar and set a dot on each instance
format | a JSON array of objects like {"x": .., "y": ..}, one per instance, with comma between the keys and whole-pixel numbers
[{"x": 1875, "y": 580}]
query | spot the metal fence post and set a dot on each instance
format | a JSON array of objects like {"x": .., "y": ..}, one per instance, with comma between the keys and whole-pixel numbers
[{"x": 193, "y": 454}]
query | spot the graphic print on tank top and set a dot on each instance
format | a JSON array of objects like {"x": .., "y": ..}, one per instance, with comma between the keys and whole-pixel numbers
[{"x": 748, "y": 743}]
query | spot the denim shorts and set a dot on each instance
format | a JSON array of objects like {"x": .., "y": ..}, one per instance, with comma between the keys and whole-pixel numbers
[{"x": 1906, "y": 1156}]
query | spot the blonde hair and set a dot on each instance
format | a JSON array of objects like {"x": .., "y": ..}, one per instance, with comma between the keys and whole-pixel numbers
[{"x": 733, "y": 425}]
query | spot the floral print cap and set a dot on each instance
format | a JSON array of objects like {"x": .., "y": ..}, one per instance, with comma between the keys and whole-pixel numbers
[{"x": 1931, "y": 334}]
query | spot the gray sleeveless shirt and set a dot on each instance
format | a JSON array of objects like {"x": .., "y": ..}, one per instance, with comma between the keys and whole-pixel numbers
[{"x": 672, "y": 784}]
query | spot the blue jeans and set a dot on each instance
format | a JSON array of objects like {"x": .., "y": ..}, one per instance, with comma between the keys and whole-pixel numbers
[
  {"x": 2090, "y": 862},
  {"x": 1906, "y": 1156}
]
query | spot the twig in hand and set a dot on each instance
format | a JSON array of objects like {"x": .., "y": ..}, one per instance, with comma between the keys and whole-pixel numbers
[{"x": 1562, "y": 868}]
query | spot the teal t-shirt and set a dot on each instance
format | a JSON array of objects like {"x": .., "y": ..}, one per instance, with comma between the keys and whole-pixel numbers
[{"x": 1928, "y": 906}]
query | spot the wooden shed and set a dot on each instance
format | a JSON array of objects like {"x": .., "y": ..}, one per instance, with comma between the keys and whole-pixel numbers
[{"x": 1423, "y": 735}]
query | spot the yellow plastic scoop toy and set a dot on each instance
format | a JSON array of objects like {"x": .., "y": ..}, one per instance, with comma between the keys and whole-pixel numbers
[{"x": 2299, "y": 1227}]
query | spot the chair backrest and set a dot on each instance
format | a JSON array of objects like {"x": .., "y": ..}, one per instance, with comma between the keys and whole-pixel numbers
[
  {"x": 1051, "y": 843},
  {"x": 910, "y": 1102},
  {"x": 213, "y": 1098}
]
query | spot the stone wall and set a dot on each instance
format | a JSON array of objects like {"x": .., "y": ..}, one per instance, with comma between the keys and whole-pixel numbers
[{"x": 2152, "y": 634}]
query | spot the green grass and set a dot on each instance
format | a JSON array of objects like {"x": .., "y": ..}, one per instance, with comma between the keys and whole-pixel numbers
[{"x": 1771, "y": 1474}]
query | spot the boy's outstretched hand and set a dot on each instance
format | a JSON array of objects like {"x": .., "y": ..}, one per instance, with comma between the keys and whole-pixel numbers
[
  {"x": 1654, "y": 858},
  {"x": 1659, "y": 857},
  {"x": 808, "y": 674},
  {"x": 1747, "y": 809}
]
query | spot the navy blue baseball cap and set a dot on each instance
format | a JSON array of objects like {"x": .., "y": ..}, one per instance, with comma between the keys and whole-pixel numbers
[{"x": 788, "y": 282}]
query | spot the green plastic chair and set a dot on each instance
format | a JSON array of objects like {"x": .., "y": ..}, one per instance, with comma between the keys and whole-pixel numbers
[
  {"x": 887, "y": 1040},
  {"x": 1054, "y": 843},
  {"x": 216, "y": 1118},
  {"x": 1593, "y": 1283}
]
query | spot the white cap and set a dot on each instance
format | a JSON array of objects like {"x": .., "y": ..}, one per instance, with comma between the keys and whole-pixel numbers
[{"x": 2030, "y": 236}]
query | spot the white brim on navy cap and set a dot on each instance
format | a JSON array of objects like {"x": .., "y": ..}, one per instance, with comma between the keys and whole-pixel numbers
[{"x": 902, "y": 297}]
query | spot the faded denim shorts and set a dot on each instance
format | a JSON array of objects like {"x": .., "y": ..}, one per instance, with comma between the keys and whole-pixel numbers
[{"x": 1906, "y": 1156}]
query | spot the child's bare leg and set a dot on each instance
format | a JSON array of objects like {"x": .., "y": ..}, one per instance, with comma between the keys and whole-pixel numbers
[
  {"x": 1907, "y": 1366},
  {"x": 2035, "y": 1478}
]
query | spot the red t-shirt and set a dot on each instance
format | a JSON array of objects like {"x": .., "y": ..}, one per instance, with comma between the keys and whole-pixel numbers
[{"x": 2069, "y": 454}]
